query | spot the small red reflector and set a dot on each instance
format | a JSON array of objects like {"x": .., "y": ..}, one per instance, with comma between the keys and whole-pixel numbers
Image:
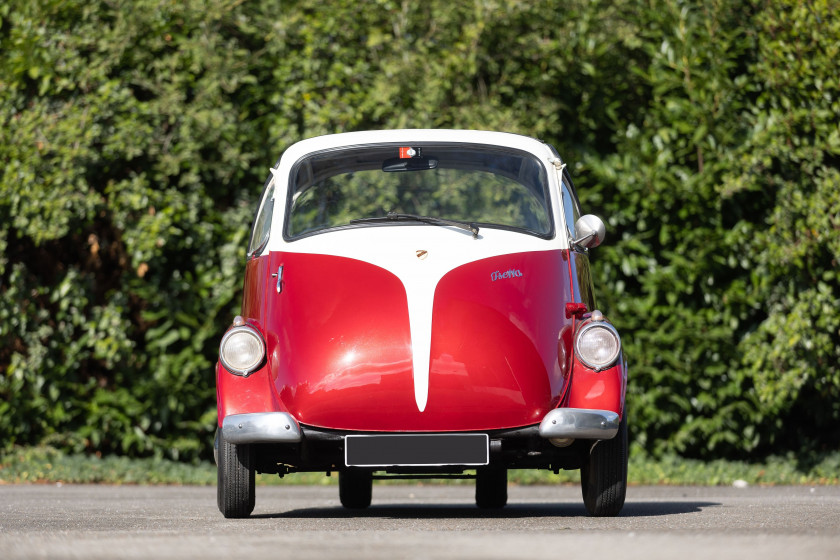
[
  {"x": 575, "y": 310},
  {"x": 406, "y": 153}
]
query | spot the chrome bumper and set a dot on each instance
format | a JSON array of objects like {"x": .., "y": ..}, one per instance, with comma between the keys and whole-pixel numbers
[
  {"x": 579, "y": 423},
  {"x": 261, "y": 427}
]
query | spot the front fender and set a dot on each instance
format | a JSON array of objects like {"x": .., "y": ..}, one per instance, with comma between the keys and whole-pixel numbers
[
  {"x": 241, "y": 395},
  {"x": 601, "y": 390}
]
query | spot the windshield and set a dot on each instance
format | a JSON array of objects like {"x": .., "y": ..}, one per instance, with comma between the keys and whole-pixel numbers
[{"x": 490, "y": 186}]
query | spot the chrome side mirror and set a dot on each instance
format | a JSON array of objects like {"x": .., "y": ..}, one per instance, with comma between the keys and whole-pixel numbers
[{"x": 590, "y": 231}]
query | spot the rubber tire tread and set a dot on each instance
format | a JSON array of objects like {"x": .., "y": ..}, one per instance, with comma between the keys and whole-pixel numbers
[
  {"x": 603, "y": 478},
  {"x": 491, "y": 487},
  {"x": 355, "y": 489},
  {"x": 235, "y": 489}
]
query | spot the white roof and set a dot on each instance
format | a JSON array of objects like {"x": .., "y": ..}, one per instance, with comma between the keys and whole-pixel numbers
[{"x": 408, "y": 136}]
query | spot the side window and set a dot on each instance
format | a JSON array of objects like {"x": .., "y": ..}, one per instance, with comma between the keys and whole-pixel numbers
[
  {"x": 262, "y": 225},
  {"x": 571, "y": 207}
]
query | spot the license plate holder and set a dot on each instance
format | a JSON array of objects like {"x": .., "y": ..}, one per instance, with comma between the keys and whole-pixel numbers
[{"x": 416, "y": 450}]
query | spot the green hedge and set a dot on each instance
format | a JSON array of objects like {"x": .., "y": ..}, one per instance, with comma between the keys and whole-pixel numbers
[{"x": 135, "y": 138}]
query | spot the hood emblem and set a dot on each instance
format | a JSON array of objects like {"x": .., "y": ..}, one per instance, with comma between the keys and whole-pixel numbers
[
  {"x": 422, "y": 254},
  {"x": 511, "y": 273}
]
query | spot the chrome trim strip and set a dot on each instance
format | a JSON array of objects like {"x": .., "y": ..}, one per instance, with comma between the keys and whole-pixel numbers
[
  {"x": 579, "y": 423},
  {"x": 261, "y": 427}
]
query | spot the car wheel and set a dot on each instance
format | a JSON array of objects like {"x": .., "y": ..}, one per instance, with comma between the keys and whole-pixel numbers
[
  {"x": 491, "y": 487},
  {"x": 603, "y": 476},
  {"x": 355, "y": 488},
  {"x": 235, "y": 479}
]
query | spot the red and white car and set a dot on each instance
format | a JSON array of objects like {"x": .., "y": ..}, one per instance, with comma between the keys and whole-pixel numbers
[{"x": 418, "y": 304}]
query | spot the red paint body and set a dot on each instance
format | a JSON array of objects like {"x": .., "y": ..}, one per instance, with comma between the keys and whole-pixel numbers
[{"x": 339, "y": 351}]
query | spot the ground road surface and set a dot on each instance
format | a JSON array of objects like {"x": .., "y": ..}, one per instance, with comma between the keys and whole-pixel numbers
[{"x": 684, "y": 523}]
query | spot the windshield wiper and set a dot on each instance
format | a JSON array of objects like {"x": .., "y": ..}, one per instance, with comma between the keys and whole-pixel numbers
[{"x": 397, "y": 217}]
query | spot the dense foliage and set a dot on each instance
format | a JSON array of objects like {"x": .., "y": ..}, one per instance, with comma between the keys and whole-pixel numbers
[{"x": 135, "y": 137}]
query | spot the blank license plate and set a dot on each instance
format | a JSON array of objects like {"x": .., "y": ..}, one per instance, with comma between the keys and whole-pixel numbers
[{"x": 419, "y": 450}]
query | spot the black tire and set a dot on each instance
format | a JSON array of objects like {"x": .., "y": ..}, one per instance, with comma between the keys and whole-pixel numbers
[
  {"x": 491, "y": 487},
  {"x": 235, "y": 490},
  {"x": 603, "y": 477},
  {"x": 355, "y": 488}
]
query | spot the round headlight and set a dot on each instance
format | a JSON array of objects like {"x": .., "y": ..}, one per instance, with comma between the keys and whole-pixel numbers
[
  {"x": 242, "y": 350},
  {"x": 598, "y": 345}
]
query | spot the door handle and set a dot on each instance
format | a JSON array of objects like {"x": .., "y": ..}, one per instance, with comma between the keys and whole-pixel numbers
[{"x": 279, "y": 276}]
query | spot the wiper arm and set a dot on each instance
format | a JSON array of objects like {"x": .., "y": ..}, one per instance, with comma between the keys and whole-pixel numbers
[{"x": 397, "y": 217}]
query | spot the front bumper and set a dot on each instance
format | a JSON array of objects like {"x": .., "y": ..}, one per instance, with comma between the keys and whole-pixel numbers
[
  {"x": 281, "y": 427},
  {"x": 261, "y": 427},
  {"x": 258, "y": 427},
  {"x": 579, "y": 423},
  {"x": 313, "y": 449}
]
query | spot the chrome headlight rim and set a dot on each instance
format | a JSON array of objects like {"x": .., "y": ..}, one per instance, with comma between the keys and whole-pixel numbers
[
  {"x": 614, "y": 357},
  {"x": 254, "y": 365}
]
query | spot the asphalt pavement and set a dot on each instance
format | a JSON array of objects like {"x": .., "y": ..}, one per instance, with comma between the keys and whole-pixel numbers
[{"x": 92, "y": 522}]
